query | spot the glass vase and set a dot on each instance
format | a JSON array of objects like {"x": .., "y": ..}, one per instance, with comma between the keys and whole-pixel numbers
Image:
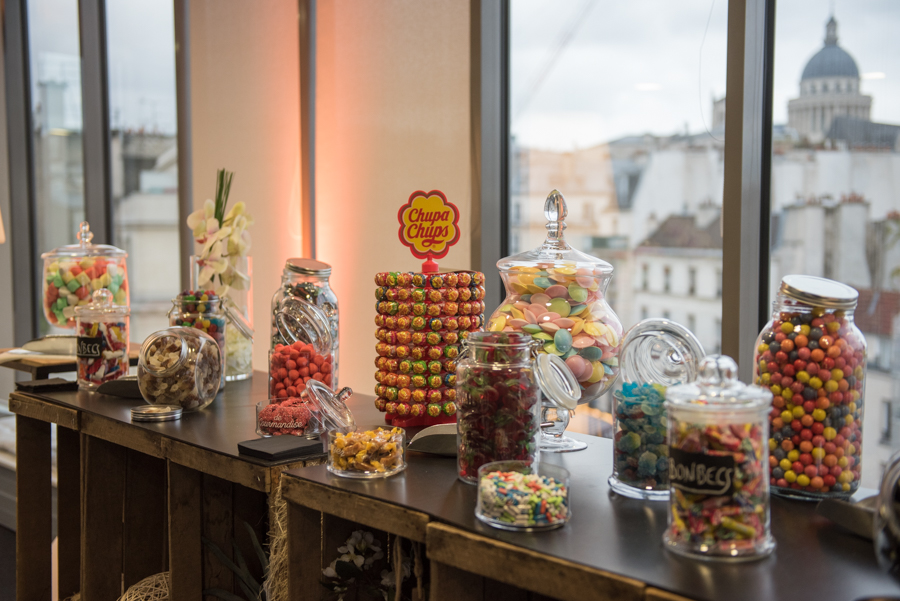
[{"x": 236, "y": 286}]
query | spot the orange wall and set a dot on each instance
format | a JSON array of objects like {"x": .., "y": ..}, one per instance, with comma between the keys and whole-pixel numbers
[
  {"x": 392, "y": 117},
  {"x": 245, "y": 117}
]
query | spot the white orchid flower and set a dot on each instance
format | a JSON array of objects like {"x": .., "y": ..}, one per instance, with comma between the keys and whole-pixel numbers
[
  {"x": 213, "y": 263},
  {"x": 197, "y": 220},
  {"x": 215, "y": 239}
]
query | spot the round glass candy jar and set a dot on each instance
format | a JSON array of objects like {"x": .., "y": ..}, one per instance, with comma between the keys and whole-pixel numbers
[
  {"x": 656, "y": 354},
  {"x": 523, "y": 496},
  {"x": 377, "y": 453},
  {"x": 813, "y": 358},
  {"x": 556, "y": 295},
  {"x": 201, "y": 310},
  {"x": 719, "y": 489},
  {"x": 307, "y": 353},
  {"x": 181, "y": 367},
  {"x": 307, "y": 279},
  {"x": 498, "y": 391},
  {"x": 73, "y": 272},
  {"x": 102, "y": 340}
]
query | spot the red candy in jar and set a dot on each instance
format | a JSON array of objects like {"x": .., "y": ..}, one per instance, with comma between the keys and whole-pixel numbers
[
  {"x": 812, "y": 357},
  {"x": 292, "y": 366}
]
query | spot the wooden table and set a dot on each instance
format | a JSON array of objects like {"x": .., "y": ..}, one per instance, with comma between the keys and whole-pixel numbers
[
  {"x": 116, "y": 479},
  {"x": 41, "y": 367},
  {"x": 610, "y": 550}
]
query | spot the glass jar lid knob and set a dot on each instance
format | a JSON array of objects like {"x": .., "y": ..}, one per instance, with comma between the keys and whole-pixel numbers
[
  {"x": 85, "y": 235},
  {"x": 555, "y": 211}
]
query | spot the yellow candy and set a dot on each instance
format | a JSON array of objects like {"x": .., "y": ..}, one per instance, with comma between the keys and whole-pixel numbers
[
  {"x": 105, "y": 280},
  {"x": 593, "y": 329},
  {"x": 532, "y": 289},
  {"x": 67, "y": 277},
  {"x": 119, "y": 298},
  {"x": 96, "y": 284},
  {"x": 517, "y": 314},
  {"x": 498, "y": 323},
  {"x": 526, "y": 278},
  {"x": 598, "y": 374},
  {"x": 578, "y": 327},
  {"x": 519, "y": 288},
  {"x": 86, "y": 262},
  {"x": 793, "y": 455}
]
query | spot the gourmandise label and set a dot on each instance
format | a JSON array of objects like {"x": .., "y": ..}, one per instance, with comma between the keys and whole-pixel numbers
[{"x": 429, "y": 224}]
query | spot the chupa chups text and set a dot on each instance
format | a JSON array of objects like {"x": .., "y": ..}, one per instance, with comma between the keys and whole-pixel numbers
[{"x": 428, "y": 224}]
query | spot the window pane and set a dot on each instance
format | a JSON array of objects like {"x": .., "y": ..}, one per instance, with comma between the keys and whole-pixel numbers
[
  {"x": 141, "y": 38},
  {"x": 836, "y": 175},
  {"x": 55, "y": 64},
  {"x": 620, "y": 106}
]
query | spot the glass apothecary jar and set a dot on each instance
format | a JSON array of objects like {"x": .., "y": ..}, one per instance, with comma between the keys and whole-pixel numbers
[
  {"x": 656, "y": 354},
  {"x": 308, "y": 353},
  {"x": 812, "y": 357},
  {"x": 72, "y": 273},
  {"x": 523, "y": 496},
  {"x": 180, "y": 367},
  {"x": 102, "y": 340},
  {"x": 307, "y": 280},
  {"x": 556, "y": 295},
  {"x": 719, "y": 492},
  {"x": 498, "y": 390},
  {"x": 201, "y": 310},
  {"x": 303, "y": 414}
]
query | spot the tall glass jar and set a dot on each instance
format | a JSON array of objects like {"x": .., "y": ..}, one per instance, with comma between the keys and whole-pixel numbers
[
  {"x": 201, "y": 310},
  {"x": 73, "y": 272},
  {"x": 557, "y": 295},
  {"x": 180, "y": 367},
  {"x": 812, "y": 357},
  {"x": 307, "y": 280},
  {"x": 719, "y": 492},
  {"x": 102, "y": 341},
  {"x": 307, "y": 353},
  {"x": 498, "y": 390},
  {"x": 656, "y": 354}
]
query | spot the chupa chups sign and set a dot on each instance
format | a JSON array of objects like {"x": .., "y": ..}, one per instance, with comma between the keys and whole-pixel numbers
[
  {"x": 429, "y": 226},
  {"x": 698, "y": 473}
]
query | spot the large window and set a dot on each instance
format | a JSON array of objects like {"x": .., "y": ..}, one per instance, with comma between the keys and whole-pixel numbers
[
  {"x": 143, "y": 154},
  {"x": 620, "y": 106},
  {"x": 836, "y": 176}
]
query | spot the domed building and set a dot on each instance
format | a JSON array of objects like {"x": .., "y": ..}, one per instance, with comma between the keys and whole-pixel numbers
[{"x": 829, "y": 87}]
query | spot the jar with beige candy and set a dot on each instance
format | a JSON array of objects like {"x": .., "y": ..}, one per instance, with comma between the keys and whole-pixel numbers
[{"x": 180, "y": 367}]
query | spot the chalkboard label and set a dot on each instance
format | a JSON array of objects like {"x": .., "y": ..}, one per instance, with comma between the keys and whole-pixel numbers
[
  {"x": 699, "y": 473},
  {"x": 89, "y": 347}
]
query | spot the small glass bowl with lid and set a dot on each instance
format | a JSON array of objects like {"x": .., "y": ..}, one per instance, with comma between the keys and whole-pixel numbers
[
  {"x": 180, "y": 367},
  {"x": 376, "y": 453},
  {"x": 303, "y": 415},
  {"x": 718, "y": 466},
  {"x": 656, "y": 354},
  {"x": 101, "y": 353},
  {"x": 73, "y": 272},
  {"x": 524, "y": 496}
]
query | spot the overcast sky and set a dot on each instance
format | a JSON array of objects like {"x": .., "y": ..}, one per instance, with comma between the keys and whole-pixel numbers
[{"x": 636, "y": 67}]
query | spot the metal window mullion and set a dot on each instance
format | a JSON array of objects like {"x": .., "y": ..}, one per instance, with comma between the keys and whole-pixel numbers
[
  {"x": 307, "y": 10},
  {"x": 746, "y": 198},
  {"x": 26, "y": 286},
  {"x": 185, "y": 147},
  {"x": 490, "y": 135},
  {"x": 95, "y": 119}
]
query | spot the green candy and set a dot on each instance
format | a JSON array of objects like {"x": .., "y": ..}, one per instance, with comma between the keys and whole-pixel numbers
[
  {"x": 560, "y": 306},
  {"x": 542, "y": 336},
  {"x": 526, "y": 298},
  {"x": 577, "y": 293},
  {"x": 551, "y": 349},
  {"x": 113, "y": 287},
  {"x": 570, "y": 353},
  {"x": 507, "y": 308},
  {"x": 532, "y": 328},
  {"x": 563, "y": 340},
  {"x": 591, "y": 353},
  {"x": 545, "y": 283},
  {"x": 58, "y": 281},
  {"x": 576, "y": 309}
]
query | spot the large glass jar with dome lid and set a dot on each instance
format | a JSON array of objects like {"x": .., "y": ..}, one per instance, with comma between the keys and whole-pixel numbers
[{"x": 557, "y": 294}]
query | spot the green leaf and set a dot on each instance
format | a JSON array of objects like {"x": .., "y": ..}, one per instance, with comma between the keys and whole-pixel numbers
[
  {"x": 221, "y": 594},
  {"x": 246, "y": 579},
  {"x": 260, "y": 554}
]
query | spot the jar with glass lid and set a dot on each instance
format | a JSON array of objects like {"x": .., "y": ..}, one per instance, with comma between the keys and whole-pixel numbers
[
  {"x": 557, "y": 295},
  {"x": 499, "y": 382},
  {"x": 717, "y": 432},
  {"x": 812, "y": 357},
  {"x": 102, "y": 340},
  {"x": 656, "y": 354},
  {"x": 307, "y": 280},
  {"x": 73, "y": 272},
  {"x": 180, "y": 367}
]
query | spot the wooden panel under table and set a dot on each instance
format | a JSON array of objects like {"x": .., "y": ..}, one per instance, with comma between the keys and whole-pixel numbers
[{"x": 522, "y": 567}]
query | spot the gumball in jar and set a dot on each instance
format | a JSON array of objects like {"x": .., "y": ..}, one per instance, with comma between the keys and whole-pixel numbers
[
  {"x": 556, "y": 295},
  {"x": 812, "y": 357}
]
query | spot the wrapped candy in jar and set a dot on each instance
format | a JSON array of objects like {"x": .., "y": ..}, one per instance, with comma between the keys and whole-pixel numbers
[
  {"x": 181, "y": 367},
  {"x": 656, "y": 354},
  {"x": 307, "y": 352},
  {"x": 556, "y": 295},
  {"x": 201, "y": 310},
  {"x": 301, "y": 415},
  {"x": 812, "y": 357},
  {"x": 498, "y": 390},
  {"x": 307, "y": 280},
  {"x": 72, "y": 273},
  {"x": 718, "y": 481},
  {"x": 102, "y": 340}
]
